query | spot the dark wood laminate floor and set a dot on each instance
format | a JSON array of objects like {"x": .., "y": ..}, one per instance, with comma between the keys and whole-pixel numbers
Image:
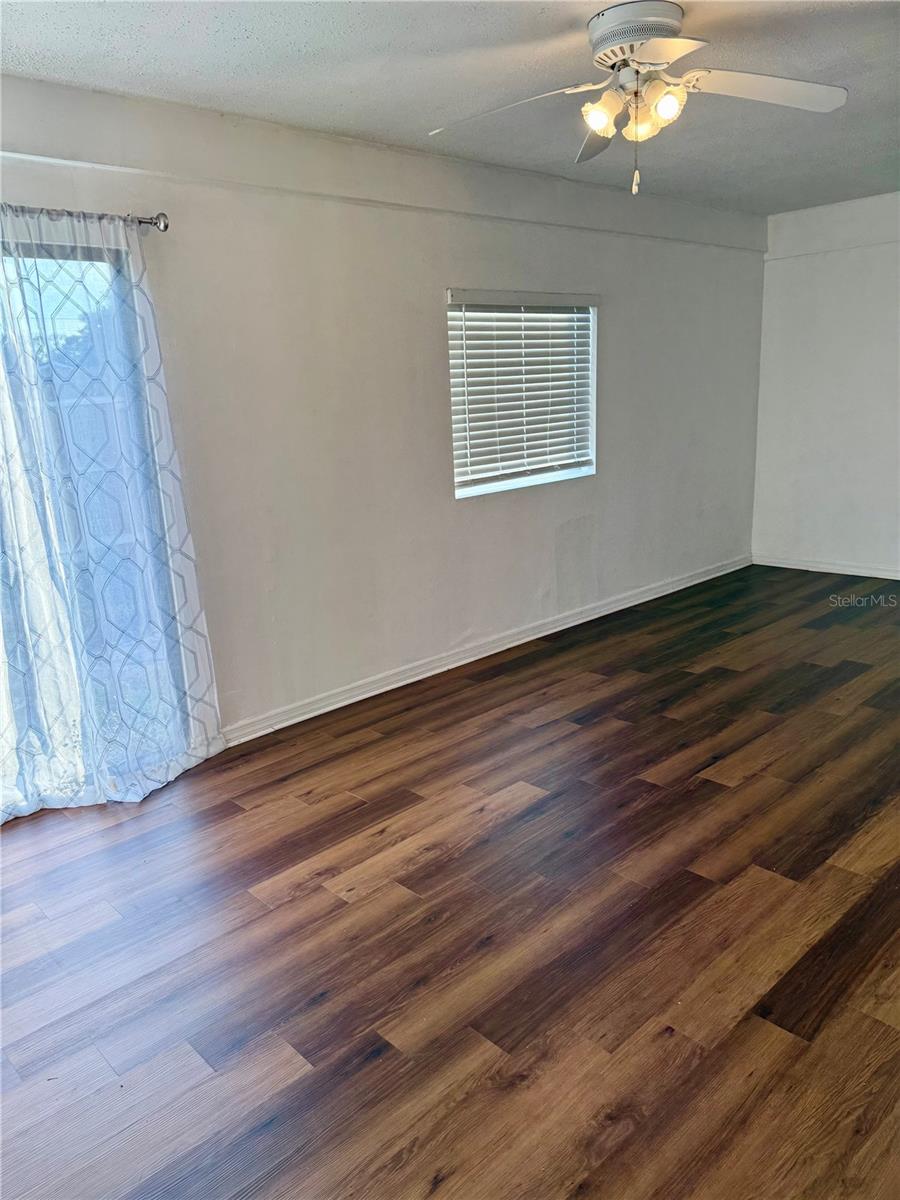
[{"x": 613, "y": 914}]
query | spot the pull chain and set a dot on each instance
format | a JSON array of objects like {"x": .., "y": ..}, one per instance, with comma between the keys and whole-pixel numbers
[{"x": 636, "y": 177}]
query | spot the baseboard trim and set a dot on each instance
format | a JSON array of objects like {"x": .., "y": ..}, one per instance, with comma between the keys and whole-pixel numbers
[
  {"x": 833, "y": 567},
  {"x": 279, "y": 718}
]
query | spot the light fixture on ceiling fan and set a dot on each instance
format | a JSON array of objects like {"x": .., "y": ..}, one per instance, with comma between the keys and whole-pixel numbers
[{"x": 635, "y": 43}]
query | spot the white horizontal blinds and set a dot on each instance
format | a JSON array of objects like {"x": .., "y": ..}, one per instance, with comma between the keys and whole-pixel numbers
[{"x": 521, "y": 389}]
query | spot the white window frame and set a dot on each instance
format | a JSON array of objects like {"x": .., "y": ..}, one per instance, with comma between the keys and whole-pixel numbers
[{"x": 537, "y": 300}]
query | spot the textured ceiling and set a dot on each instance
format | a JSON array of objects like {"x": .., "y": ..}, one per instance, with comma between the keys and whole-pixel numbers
[{"x": 390, "y": 71}]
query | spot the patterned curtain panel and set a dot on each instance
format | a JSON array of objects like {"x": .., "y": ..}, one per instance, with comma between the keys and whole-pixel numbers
[{"x": 106, "y": 683}]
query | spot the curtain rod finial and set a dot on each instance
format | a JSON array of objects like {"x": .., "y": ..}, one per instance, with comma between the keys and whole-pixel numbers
[{"x": 161, "y": 221}]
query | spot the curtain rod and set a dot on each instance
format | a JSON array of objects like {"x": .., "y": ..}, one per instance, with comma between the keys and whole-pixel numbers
[{"x": 160, "y": 221}]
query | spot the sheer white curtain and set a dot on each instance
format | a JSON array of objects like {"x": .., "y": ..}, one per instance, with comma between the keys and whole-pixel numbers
[{"x": 106, "y": 682}]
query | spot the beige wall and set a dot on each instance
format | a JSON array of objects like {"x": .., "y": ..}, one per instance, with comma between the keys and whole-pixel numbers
[
  {"x": 828, "y": 470},
  {"x": 300, "y": 294}
]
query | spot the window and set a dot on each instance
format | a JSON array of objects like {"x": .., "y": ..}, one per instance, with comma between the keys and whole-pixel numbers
[{"x": 522, "y": 389}]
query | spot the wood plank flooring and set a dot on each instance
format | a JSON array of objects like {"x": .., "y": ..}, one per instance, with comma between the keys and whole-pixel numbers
[{"x": 612, "y": 914}]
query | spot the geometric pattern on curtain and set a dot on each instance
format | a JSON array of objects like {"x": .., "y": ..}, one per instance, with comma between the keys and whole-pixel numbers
[{"x": 106, "y": 685}]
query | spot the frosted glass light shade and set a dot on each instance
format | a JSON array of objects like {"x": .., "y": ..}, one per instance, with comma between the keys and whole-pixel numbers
[
  {"x": 665, "y": 100},
  {"x": 600, "y": 116},
  {"x": 642, "y": 125}
]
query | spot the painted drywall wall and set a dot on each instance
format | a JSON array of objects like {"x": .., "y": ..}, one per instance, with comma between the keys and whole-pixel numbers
[
  {"x": 828, "y": 458},
  {"x": 300, "y": 294}
]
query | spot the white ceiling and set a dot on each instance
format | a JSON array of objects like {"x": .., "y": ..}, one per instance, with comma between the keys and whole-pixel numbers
[{"x": 390, "y": 71}]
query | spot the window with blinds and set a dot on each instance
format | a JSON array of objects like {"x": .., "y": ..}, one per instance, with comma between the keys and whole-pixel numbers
[{"x": 522, "y": 388}]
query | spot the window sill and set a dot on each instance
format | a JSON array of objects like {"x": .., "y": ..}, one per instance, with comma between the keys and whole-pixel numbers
[{"x": 464, "y": 491}]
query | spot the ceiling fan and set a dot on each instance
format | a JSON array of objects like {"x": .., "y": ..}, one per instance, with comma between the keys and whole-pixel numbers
[{"x": 634, "y": 44}]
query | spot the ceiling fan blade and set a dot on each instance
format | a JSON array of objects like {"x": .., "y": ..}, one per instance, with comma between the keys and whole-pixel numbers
[
  {"x": 564, "y": 91},
  {"x": 662, "y": 51},
  {"x": 792, "y": 93},
  {"x": 593, "y": 144}
]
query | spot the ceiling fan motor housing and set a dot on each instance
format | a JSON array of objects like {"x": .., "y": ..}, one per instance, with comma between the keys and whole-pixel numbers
[{"x": 617, "y": 32}]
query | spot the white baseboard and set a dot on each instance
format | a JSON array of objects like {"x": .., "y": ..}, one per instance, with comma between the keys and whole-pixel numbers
[
  {"x": 833, "y": 567},
  {"x": 251, "y": 727}
]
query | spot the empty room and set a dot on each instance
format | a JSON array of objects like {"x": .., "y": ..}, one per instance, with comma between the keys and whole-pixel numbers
[{"x": 450, "y": 623}]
